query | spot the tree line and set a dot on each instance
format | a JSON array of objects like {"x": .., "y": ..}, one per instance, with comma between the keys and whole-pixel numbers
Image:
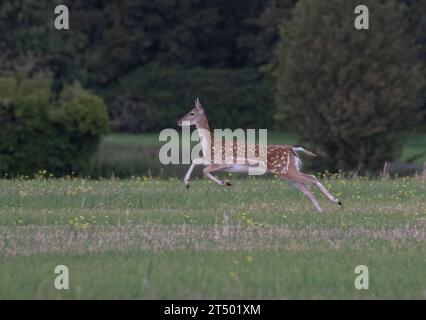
[
  {"x": 279, "y": 64},
  {"x": 183, "y": 48}
]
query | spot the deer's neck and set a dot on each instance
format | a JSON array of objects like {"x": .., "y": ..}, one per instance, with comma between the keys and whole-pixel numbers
[{"x": 205, "y": 136}]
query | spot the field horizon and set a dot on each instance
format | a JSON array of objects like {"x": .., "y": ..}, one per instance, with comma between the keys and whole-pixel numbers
[{"x": 124, "y": 155}]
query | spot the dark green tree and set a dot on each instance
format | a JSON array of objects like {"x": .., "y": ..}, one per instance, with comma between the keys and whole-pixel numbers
[
  {"x": 417, "y": 26},
  {"x": 352, "y": 95},
  {"x": 109, "y": 39},
  {"x": 275, "y": 14},
  {"x": 41, "y": 132},
  {"x": 233, "y": 98},
  {"x": 23, "y": 29}
]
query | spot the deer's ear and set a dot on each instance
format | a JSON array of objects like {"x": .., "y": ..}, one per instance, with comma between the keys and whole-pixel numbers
[{"x": 198, "y": 104}]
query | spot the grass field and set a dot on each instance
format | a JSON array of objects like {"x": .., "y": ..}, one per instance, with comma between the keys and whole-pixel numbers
[{"x": 147, "y": 239}]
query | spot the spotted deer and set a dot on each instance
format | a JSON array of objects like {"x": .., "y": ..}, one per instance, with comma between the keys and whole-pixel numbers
[{"x": 281, "y": 160}]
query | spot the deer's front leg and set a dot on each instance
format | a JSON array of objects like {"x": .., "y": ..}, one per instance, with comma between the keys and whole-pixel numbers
[
  {"x": 189, "y": 172},
  {"x": 216, "y": 167}
]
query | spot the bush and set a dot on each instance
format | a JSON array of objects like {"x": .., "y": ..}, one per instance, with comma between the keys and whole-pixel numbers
[
  {"x": 351, "y": 94},
  {"x": 42, "y": 133},
  {"x": 154, "y": 97}
]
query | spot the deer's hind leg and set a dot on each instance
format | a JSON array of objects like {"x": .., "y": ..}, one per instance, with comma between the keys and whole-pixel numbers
[
  {"x": 216, "y": 167},
  {"x": 306, "y": 192},
  {"x": 307, "y": 178},
  {"x": 293, "y": 173}
]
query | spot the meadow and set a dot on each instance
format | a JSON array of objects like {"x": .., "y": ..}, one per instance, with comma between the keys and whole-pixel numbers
[{"x": 148, "y": 238}]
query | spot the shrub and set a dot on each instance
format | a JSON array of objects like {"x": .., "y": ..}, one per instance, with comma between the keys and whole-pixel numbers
[
  {"x": 154, "y": 97},
  {"x": 39, "y": 132},
  {"x": 351, "y": 94}
]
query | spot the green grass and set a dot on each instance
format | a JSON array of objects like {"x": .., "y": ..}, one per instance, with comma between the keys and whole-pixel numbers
[
  {"x": 147, "y": 239},
  {"x": 124, "y": 155},
  {"x": 415, "y": 149}
]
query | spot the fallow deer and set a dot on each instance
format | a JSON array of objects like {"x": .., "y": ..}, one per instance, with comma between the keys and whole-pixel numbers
[{"x": 282, "y": 160}]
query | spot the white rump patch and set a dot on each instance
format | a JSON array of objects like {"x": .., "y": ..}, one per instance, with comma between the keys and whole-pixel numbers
[{"x": 298, "y": 164}]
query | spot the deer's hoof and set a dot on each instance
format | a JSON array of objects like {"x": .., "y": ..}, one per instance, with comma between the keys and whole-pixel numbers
[
  {"x": 340, "y": 204},
  {"x": 187, "y": 186},
  {"x": 227, "y": 183}
]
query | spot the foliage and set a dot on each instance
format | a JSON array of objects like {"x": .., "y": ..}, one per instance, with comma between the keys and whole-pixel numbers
[
  {"x": 417, "y": 27},
  {"x": 155, "y": 97},
  {"x": 39, "y": 132},
  {"x": 108, "y": 41},
  {"x": 351, "y": 94},
  {"x": 269, "y": 22},
  {"x": 23, "y": 26}
]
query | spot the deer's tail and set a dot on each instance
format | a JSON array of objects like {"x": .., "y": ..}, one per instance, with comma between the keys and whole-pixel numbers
[{"x": 300, "y": 148}]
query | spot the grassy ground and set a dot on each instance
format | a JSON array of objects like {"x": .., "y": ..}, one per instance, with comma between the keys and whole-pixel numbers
[
  {"x": 145, "y": 238},
  {"x": 124, "y": 155}
]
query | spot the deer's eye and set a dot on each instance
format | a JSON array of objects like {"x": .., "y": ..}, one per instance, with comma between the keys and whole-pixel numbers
[{"x": 192, "y": 113}]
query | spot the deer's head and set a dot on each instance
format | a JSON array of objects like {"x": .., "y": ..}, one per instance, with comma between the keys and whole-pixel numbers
[{"x": 193, "y": 116}]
